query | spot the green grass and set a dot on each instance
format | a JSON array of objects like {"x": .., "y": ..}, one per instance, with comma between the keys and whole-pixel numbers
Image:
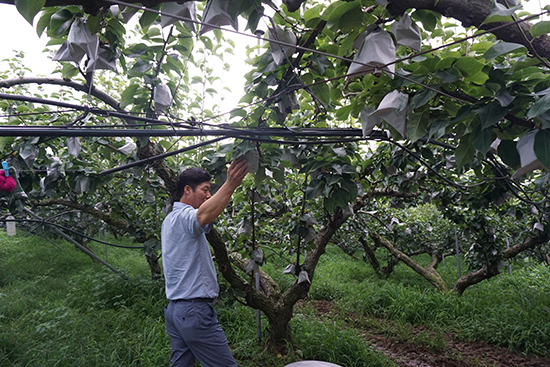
[
  {"x": 512, "y": 311},
  {"x": 59, "y": 308}
]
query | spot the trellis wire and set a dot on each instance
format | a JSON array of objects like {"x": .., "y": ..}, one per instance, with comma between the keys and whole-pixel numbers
[{"x": 70, "y": 230}]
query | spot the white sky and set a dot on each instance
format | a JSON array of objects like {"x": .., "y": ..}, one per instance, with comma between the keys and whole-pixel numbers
[{"x": 21, "y": 36}]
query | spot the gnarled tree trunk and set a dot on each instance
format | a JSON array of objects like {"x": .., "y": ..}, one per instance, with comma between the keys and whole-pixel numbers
[
  {"x": 429, "y": 273},
  {"x": 491, "y": 270}
]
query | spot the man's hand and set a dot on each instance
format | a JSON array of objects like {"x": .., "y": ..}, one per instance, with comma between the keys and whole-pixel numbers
[
  {"x": 213, "y": 207},
  {"x": 236, "y": 172}
]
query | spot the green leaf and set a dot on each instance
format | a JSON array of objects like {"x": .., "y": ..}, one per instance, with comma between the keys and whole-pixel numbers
[
  {"x": 127, "y": 97},
  {"x": 508, "y": 152},
  {"x": 462, "y": 113},
  {"x": 136, "y": 50},
  {"x": 116, "y": 27},
  {"x": 491, "y": 113},
  {"x": 479, "y": 78},
  {"x": 482, "y": 140},
  {"x": 312, "y": 13},
  {"x": 319, "y": 63},
  {"x": 346, "y": 46},
  {"x": 322, "y": 91},
  {"x": 43, "y": 22},
  {"x": 94, "y": 23},
  {"x": 465, "y": 152},
  {"x": 448, "y": 76},
  {"x": 141, "y": 66},
  {"x": 69, "y": 71},
  {"x": 542, "y": 147},
  {"x": 29, "y": 8},
  {"x": 417, "y": 126},
  {"x": 313, "y": 189},
  {"x": 5, "y": 141},
  {"x": 239, "y": 112},
  {"x": 469, "y": 66},
  {"x": 147, "y": 19},
  {"x": 540, "y": 29},
  {"x": 279, "y": 176},
  {"x": 445, "y": 63},
  {"x": 540, "y": 107},
  {"x": 500, "y": 13},
  {"x": 437, "y": 129},
  {"x": 340, "y": 11},
  {"x": 420, "y": 99},
  {"x": 60, "y": 22},
  {"x": 351, "y": 20},
  {"x": 253, "y": 20},
  {"x": 343, "y": 112},
  {"x": 428, "y": 18},
  {"x": 503, "y": 48}
]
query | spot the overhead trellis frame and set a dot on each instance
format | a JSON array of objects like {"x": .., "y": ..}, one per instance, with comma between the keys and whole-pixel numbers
[{"x": 66, "y": 131}]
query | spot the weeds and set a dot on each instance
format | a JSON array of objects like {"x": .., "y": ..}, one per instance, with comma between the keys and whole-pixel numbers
[
  {"x": 58, "y": 308},
  {"x": 509, "y": 310}
]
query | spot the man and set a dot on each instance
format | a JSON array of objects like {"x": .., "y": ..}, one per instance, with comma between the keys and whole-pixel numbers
[{"x": 191, "y": 283}]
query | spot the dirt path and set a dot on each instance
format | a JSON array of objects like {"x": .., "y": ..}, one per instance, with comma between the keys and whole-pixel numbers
[{"x": 407, "y": 348}]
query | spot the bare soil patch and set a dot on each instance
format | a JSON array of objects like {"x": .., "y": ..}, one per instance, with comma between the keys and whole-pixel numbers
[{"x": 407, "y": 349}]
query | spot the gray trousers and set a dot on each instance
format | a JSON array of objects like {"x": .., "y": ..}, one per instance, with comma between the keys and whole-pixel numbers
[{"x": 196, "y": 334}]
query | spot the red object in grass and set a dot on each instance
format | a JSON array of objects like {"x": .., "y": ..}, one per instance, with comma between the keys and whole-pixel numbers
[{"x": 6, "y": 183}]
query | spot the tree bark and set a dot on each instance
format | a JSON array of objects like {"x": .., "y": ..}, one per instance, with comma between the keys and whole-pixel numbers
[
  {"x": 491, "y": 270},
  {"x": 102, "y": 96},
  {"x": 473, "y": 13},
  {"x": 370, "y": 255},
  {"x": 430, "y": 274},
  {"x": 278, "y": 312}
]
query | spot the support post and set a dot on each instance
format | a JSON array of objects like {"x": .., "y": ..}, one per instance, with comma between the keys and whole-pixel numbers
[
  {"x": 457, "y": 255},
  {"x": 509, "y": 265}
]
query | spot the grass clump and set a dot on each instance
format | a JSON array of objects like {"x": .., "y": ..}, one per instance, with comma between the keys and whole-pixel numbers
[
  {"x": 59, "y": 308},
  {"x": 511, "y": 311}
]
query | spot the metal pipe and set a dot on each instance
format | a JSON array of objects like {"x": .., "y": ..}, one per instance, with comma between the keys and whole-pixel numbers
[{"x": 160, "y": 156}]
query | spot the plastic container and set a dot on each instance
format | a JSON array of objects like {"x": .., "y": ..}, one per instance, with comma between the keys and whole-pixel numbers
[{"x": 10, "y": 226}]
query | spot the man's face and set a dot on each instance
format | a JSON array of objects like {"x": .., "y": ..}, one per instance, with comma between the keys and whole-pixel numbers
[{"x": 197, "y": 197}]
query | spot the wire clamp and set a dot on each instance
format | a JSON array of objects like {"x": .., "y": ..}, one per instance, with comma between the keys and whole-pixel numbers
[{"x": 6, "y": 168}]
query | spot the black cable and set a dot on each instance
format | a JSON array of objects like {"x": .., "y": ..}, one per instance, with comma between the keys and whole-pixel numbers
[
  {"x": 70, "y": 230},
  {"x": 160, "y": 156}
]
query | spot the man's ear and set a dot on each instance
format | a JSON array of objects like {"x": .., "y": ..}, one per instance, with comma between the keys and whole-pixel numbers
[{"x": 187, "y": 190}]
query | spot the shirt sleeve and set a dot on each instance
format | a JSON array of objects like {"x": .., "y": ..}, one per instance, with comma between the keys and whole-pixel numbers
[{"x": 191, "y": 223}]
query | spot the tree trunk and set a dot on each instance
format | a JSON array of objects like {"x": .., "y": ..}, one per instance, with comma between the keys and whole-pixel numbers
[
  {"x": 370, "y": 255},
  {"x": 154, "y": 266},
  {"x": 279, "y": 333},
  {"x": 430, "y": 274},
  {"x": 489, "y": 271}
]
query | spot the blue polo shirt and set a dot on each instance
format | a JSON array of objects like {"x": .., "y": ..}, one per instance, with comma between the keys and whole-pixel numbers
[{"x": 188, "y": 267}]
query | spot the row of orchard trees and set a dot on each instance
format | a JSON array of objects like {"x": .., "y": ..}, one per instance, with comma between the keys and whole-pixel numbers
[{"x": 437, "y": 169}]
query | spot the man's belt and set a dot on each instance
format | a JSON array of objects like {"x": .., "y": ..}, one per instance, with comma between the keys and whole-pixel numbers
[{"x": 192, "y": 300}]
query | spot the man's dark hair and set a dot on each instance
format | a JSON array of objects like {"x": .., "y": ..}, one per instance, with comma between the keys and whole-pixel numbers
[{"x": 193, "y": 177}]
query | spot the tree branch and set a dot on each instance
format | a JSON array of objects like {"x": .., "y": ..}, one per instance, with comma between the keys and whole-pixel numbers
[
  {"x": 117, "y": 223},
  {"x": 430, "y": 274},
  {"x": 102, "y": 96},
  {"x": 491, "y": 270},
  {"x": 473, "y": 13}
]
